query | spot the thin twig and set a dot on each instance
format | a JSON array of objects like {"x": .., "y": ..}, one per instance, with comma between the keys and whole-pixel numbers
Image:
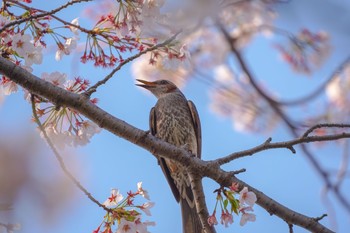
[
  {"x": 93, "y": 88},
  {"x": 325, "y": 125},
  {"x": 317, "y": 219},
  {"x": 290, "y": 227},
  {"x": 61, "y": 161},
  {"x": 45, "y": 13},
  {"x": 277, "y": 145}
]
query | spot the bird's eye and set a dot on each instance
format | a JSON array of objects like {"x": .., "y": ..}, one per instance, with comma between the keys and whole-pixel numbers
[{"x": 163, "y": 82}]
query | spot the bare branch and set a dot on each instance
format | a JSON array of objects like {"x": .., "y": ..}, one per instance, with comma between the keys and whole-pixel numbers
[
  {"x": 321, "y": 217},
  {"x": 286, "y": 144},
  {"x": 325, "y": 125}
]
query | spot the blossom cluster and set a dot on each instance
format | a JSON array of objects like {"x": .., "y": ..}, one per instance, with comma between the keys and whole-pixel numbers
[
  {"x": 229, "y": 205},
  {"x": 129, "y": 26},
  {"x": 306, "y": 51},
  {"x": 62, "y": 124},
  {"x": 124, "y": 213},
  {"x": 26, "y": 40}
]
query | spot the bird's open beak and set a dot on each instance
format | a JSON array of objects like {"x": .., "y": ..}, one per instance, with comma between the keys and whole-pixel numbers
[{"x": 145, "y": 84}]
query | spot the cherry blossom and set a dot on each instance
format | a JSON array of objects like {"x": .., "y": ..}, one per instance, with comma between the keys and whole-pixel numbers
[
  {"x": 146, "y": 208},
  {"x": 114, "y": 199},
  {"x": 247, "y": 197},
  {"x": 55, "y": 78},
  {"x": 126, "y": 226},
  {"x": 243, "y": 26},
  {"x": 226, "y": 218},
  {"x": 65, "y": 126},
  {"x": 66, "y": 48},
  {"x": 234, "y": 187},
  {"x": 142, "y": 191},
  {"x": 9, "y": 87},
  {"x": 306, "y": 51},
  {"x": 75, "y": 30},
  {"x": 247, "y": 217},
  {"x": 212, "y": 219}
]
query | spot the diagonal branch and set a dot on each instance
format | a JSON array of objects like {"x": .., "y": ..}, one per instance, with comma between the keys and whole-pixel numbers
[{"x": 147, "y": 141}]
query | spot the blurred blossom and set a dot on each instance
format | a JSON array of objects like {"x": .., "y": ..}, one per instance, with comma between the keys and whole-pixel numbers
[
  {"x": 338, "y": 89},
  {"x": 28, "y": 177},
  {"x": 234, "y": 98},
  {"x": 208, "y": 48},
  {"x": 142, "y": 69},
  {"x": 306, "y": 51},
  {"x": 244, "y": 19},
  {"x": 338, "y": 93}
]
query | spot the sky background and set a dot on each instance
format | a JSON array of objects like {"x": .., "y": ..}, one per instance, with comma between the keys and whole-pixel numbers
[{"x": 111, "y": 162}]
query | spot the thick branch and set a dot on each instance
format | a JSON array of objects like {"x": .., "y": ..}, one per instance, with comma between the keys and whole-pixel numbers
[{"x": 145, "y": 140}]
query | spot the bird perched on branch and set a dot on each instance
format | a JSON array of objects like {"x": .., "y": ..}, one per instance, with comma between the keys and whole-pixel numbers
[{"x": 175, "y": 120}]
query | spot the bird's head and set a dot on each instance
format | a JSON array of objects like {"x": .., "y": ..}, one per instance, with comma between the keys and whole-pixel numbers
[{"x": 159, "y": 88}]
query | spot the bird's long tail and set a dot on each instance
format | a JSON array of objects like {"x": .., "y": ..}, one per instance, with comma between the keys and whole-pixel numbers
[{"x": 190, "y": 219}]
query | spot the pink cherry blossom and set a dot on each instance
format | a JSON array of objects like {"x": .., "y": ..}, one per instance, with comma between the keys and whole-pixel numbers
[
  {"x": 113, "y": 200},
  {"x": 247, "y": 217},
  {"x": 212, "y": 219},
  {"x": 226, "y": 218},
  {"x": 146, "y": 208},
  {"x": 142, "y": 191},
  {"x": 247, "y": 197}
]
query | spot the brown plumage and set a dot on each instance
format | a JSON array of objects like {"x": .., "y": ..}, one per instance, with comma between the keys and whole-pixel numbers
[{"x": 175, "y": 120}]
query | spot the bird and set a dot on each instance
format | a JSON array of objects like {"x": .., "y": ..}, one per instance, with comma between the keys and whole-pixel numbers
[{"x": 175, "y": 120}]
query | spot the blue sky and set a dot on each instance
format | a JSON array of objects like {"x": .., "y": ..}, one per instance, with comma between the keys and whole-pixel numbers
[{"x": 111, "y": 162}]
